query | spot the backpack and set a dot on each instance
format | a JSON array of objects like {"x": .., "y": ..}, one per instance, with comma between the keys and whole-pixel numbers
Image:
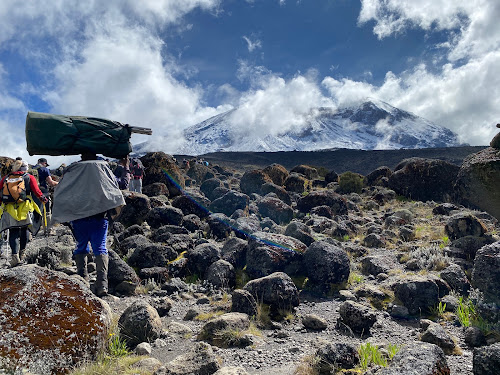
[{"x": 15, "y": 188}]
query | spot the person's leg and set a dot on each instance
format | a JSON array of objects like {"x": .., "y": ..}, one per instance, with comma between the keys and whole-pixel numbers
[
  {"x": 98, "y": 242},
  {"x": 80, "y": 231},
  {"x": 14, "y": 242},
  {"x": 23, "y": 241},
  {"x": 139, "y": 185}
]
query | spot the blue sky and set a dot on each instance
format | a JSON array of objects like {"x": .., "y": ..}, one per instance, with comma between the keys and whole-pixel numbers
[{"x": 168, "y": 64}]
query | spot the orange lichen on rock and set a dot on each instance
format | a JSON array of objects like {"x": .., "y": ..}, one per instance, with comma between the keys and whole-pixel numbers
[{"x": 48, "y": 321}]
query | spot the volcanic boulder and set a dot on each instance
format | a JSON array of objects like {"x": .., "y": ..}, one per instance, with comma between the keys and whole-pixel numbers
[
  {"x": 424, "y": 179},
  {"x": 49, "y": 321}
]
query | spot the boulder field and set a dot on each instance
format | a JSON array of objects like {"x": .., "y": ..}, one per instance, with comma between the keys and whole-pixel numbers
[{"x": 216, "y": 270}]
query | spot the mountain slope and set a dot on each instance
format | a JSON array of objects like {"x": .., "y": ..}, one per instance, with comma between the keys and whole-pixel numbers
[{"x": 374, "y": 125}]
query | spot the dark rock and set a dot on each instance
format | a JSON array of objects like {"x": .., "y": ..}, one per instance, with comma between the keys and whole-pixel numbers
[
  {"x": 275, "y": 209},
  {"x": 467, "y": 246},
  {"x": 158, "y": 274},
  {"x": 208, "y": 187},
  {"x": 121, "y": 277},
  {"x": 373, "y": 240},
  {"x": 309, "y": 172},
  {"x": 230, "y": 202},
  {"x": 175, "y": 285},
  {"x": 235, "y": 322},
  {"x": 486, "y": 360},
  {"x": 163, "y": 305},
  {"x": 296, "y": 183},
  {"x": 328, "y": 198},
  {"x": 358, "y": 317},
  {"x": 221, "y": 274},
  {"x": 201, "y": 257},
  {"x": 336, "y": 356},
  {"x": 462, "y": 224},
  {"x": 192, "y": 223},
  {"x": 270, "y": 252},
  {"x": 160, "y": 216},
  {"x": 324, "y": 211},
  {"x": 478, "y": 180},
  {"x": 417, "y": 293},
  {"x": 419, "y": 358},
  {"x": 154, "y": 255},
  {"x": 300, "y": 231},
  {"x": 192, "y": 204},
  {"x": 234, "y": 251},
  {"x": 331, "y": 176},
  {"x": 179, "y": 242},
  {"x": 456, "y": 279},
  {"x": 474, "y": 337},
  {"x": 375, "y": 264},
  {"x": 435, "y": 334},
  {"x": 246, "y": 225},
  {"x": 160, "y": 167},
  {"x": 276, "y": 290},
  {"x": 200, "y": 360},
  {"x": 326, "y": 264},
  {"x": 140, "y": 322},
  {"x": 252, "y": 181},
  {"x": 277, "y": 173},
  {"x": 486, "y": 272},
  {"x": 375, "y": 178},
  {"x": 155, "y": 189},
  {"x": 424, "y": 179},
  {"x": 163, "y": 233},
  {"x": 220, "y": 226},
  {"x": 199, "y": 172},
  {"x": 444, "y": 209},
  {"x": 314, "y": 322},
  {"x": 280, "y": 192},
  {"x": 129, "y": 232},
  {"x": 136, "y": 209},
  {"x": 243, "y": 301}
]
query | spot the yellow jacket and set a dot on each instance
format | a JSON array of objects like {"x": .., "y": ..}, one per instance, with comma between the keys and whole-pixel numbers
[{"x": 19, "y": 211}]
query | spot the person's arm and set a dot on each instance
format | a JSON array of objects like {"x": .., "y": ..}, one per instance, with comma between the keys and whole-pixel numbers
[
  {"x": 34, "y": 187},
  {"x": 50, "y": 181}
]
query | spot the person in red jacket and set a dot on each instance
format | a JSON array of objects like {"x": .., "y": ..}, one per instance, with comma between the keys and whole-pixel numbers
[{"x": 20, "y": 214}]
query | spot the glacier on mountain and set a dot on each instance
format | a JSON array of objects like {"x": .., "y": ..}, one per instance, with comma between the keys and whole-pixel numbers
[{"x": 373, "y": 125}]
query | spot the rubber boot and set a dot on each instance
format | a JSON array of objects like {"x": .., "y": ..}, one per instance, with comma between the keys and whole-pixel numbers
[
  {"x": 14, "y": 260},
  {"x": 81, "y": 266},
  {"x": 101, "y": 284}
]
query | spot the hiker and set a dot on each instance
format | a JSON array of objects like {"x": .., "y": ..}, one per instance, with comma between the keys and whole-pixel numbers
[
  {"x": 44, "y": 177},
  {"x": 122, "y": 173},
  {"x": 19, "y": 213},
  {"x": 86, "y": 193},
  {"x": 137, "y": 171}
]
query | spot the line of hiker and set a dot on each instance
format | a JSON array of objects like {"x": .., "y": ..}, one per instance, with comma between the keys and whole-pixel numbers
[{"x": 85, "y": 199}]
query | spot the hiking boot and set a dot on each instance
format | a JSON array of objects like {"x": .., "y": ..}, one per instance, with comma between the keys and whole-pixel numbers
[
  {"x": 15, "y": 260},
  {"x": 81, "y": 266},
  {"x": 101, "y": 284}
]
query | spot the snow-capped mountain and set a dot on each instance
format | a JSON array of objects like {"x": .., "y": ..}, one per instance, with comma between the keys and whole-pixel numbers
[{"x": 373, "y": 125}]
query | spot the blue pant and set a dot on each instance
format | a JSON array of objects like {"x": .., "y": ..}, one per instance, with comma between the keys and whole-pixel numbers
[{"x": 93, "y": 230}]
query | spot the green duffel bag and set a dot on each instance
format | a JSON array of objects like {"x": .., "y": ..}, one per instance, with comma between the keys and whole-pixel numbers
[{"x": 55, "y": 135}]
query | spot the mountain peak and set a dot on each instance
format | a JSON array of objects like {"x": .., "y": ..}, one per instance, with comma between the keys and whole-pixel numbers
[{"x": 371, "y": 125}]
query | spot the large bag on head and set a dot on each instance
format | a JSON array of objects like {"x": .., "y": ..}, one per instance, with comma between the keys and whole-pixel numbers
[{"x": 15, "y": 188}]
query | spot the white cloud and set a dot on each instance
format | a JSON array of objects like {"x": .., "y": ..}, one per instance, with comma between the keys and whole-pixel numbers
[
  {"x": 276, "y": 105},
  {"x": 108, "y": 62},
  {"x": 252, "y": 44}
]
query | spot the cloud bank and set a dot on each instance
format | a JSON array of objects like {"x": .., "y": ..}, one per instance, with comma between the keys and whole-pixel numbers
[{"x": 107, "y": 59}]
